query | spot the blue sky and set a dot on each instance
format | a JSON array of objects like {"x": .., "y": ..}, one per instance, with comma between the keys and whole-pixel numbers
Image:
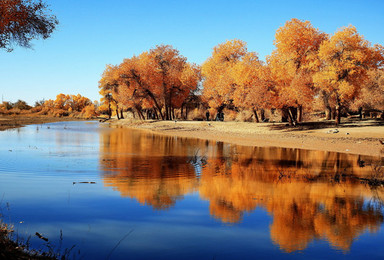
[{"x": 93, "y": 33}]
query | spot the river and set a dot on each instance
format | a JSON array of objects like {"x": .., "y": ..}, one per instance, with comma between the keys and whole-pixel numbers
[{"x": 117, "y": 193}]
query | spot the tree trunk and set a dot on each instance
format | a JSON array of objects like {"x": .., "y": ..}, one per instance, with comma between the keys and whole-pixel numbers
[
  {"x": 141, "y": 116},
  {"x": 121, "y": 114},
  {"x": 338, "y": 114},
  {"x": 109, "y": 110},
  {"x": 166, "y": 109},
  {"x": 256, "y": 117},
  {"x": 328, "y": 109},
  {"x": 360, "y": 113},
  {"x": 300, "y": 115},
  {"x": 117, "y": 113},
  {"x": 156, "y": 104},
  {"x": 290, "y": 118},
  {"x": 156, "y": 114},
  {"x": 291, "y": 115},
  {"x": 284, "y": 114},
  {"x": 262, "y": 115},
  {"x": 186, "y": 113},
  {"x": 173, "y": 113},
  {"x": 328, "y": 113}
]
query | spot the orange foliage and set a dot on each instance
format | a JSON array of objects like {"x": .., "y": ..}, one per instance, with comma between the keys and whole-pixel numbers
[
  {"x": 65, "y": 105},
  {"x": 372, "y": 92},
  {"x": 307, "y": 68},
  {"x": 294, "y": 62},
  {"x": 345, "y": 60},
  {"x": 217, "y": 71},
  {"x": 300, "y": 189},
  {"x": 160, "y": 79}
]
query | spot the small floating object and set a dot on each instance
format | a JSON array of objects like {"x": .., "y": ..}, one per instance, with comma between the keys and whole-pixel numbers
[
  {"x": 41, "y": 236},
  {"x": 84, "y": 182}
]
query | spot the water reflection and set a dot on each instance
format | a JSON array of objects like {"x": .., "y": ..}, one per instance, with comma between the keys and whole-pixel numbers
[{"x": 310, "y": 194}]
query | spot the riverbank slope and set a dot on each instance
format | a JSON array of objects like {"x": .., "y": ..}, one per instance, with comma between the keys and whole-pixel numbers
[{"x": 357, "y": 137}]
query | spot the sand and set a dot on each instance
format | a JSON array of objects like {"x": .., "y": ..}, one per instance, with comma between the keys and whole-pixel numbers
[{"x": 356, "y": 137}]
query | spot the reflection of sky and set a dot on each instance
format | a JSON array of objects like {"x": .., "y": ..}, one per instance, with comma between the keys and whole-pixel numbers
[{"x": 37, "y": 171}]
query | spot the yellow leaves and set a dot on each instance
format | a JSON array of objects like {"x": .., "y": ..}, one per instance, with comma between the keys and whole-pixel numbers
[
  {"x": 296, "y": 41},
  {"x": 345, "y": 60},
  {"x": 223, "y": 71},
  {"x": 345, "y": 90},
  {"x": 230, "y": 51}
]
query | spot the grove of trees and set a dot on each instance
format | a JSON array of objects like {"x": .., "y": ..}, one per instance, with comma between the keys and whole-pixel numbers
[{"x": 308, "y": 71}]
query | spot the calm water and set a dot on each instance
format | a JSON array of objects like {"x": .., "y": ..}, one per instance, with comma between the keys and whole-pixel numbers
[{"x": 157, "y": 197}]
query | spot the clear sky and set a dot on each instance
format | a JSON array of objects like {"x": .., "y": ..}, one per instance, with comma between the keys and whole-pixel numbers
[{"x": 93, "y": 33}]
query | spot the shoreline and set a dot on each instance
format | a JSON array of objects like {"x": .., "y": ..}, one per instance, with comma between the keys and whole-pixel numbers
[
  {"x": 355, "y": 137},
  {"x": 362, "y": 137},
  {"x": 16, "y": 121}
]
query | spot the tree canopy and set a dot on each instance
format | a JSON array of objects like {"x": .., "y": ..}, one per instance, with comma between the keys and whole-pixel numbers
[
  {"x": 308, "y": 70},
  {"x": 159, "y": 80},
  {"x": 21, "y": 21}
]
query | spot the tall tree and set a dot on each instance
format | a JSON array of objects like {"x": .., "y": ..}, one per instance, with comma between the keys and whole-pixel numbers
[
  {"x": 159, "y": 79},
  {"x": 24, "y": 20},
  {"x": 292, "y": 64},
  {"x": 219, "y": 85},
  {"x": 345, "y": 60},
  {"x": 109, "y": 86},
  {"x": 254, "y": 87}
]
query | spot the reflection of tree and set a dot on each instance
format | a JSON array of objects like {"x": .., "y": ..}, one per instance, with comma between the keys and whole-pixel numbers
[
  {"x": 151, "y": 169},
  {"x": 306, "y": 192},
  {"x": 300, "y": 192}
]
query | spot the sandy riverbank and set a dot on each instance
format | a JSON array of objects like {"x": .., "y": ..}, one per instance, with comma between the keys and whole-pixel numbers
[{"x": 357, "y": 137}]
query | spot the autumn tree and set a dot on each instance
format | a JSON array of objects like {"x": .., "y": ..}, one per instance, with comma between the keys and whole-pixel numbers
[
  {"x": 138, "y": 83},
  {"x": 108, "y": 88},
  {"x": 371, "y": 95},
  {"x": 218, "y": 81},
  {"x": 293, "y": 64},
  {"x": 172, "y": 77},
  {"x": 159, "y": 79},
  {"x": 345, "y": 60},
  {"x": 254, "y": 87},
  {"x": 24, "y": 20}
]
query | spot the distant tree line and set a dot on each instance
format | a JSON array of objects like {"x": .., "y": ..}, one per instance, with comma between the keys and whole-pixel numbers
[{"x": 63, "y": 105}]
